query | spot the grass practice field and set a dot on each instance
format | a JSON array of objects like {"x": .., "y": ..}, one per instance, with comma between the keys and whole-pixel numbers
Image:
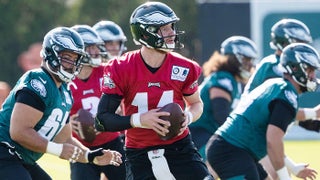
[{"x": 299, "y": 151}]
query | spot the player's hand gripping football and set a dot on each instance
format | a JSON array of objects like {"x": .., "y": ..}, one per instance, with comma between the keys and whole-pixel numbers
[
  {"x": 188, "y": 120},
  {"x": 152, "y": 120}
]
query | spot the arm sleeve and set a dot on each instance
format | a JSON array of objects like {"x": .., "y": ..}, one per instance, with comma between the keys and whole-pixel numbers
[
  {"x": 221, "y": 108},
  {"x": 107, "y": 117},
  {"x": 28, "y": 97},
  {"x": 282, "y": 114}
]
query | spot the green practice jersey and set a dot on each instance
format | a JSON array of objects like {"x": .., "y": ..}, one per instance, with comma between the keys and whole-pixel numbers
[
  {"x": 225, "y": 81},
  {"x": 57, "y": 102},
  {"x": 266, "y": 69},
  {"x": 246, "y": 126}
]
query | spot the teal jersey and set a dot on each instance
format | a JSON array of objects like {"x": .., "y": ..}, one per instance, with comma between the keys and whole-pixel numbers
[
  {"x": 266, "y": 69},
  {"x": 246, "y": 126},
  {"x": 57, "y": 102},
  {"x": 223, "y": 80}
]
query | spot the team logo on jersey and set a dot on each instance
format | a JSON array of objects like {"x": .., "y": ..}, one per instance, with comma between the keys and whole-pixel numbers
[
  {"x": 39, "y": 87},
  {"x": 226, "y": 83},
  {"x": 292, "y": 97},
  {"x": 108, "y": 82},
  {"x": 156, "y": 84},
  {"x": 89, "y": 91},
  {"x": 179, "y": 73}
]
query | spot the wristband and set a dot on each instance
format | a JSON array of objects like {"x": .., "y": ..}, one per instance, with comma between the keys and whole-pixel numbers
[
  {"x": 54, "y": 148},
  {"x": 283, "y": 174},
  {"x": 190, "y": 117},
  {"x": 292, "y": 166},
  {"x": 309, "y": 113},
  {"x": 136, "y": 120},
  {"x": 90, "y": 155}
]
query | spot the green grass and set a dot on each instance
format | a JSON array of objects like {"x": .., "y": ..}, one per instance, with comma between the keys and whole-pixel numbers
[{"x": 299, "y": 151}]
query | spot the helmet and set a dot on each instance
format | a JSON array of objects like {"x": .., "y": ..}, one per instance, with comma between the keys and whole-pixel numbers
[
  {"x": 146, "y": 21},
  {"x": 241, "y": 47},
  {"x": 296, "y": 58},
  {"x": 110, "y": 31},
  {"x": 287, "y": 31},
  {"x": 62, "y": 39},
  {"x": 90, "y": 38}
]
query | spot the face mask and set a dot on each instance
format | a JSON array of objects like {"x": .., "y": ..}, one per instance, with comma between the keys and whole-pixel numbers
[
  {"x": 95, "y": 62},
  {"x": 245, "y": 74}
]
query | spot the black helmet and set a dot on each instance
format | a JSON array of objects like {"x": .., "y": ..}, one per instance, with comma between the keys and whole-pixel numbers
[
  {"x": 296, "y": 58},
  {"x": 287, "y": 31},
  {"x": 62, "y": 39},
  {"x": 145, "y": 22}
]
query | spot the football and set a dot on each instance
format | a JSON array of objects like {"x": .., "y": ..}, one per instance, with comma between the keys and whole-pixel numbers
[
  {"x": 87, "y": 131},
  {"x": 176, "y": 119}
]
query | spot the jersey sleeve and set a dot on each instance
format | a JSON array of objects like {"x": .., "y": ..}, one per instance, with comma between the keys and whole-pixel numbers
[
  {"x": 35, "y": 83},
  {"x": 224, "y": 81},
  {"x": 111, "y": 83},
  {"x": 191, "y": 85}
]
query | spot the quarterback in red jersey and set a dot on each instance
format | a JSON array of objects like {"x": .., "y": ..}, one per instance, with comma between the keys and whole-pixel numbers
[
  {"x": 86, "y": 91},
  {"x": 143, "y": 81}
]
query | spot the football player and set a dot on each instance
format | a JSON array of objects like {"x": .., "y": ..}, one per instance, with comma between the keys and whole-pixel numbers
[
  {"x": 256, "y": 127},
  {"x": 283, "y": 33},
  {"x": 225, "y": 73},
  {"x": 35, "y": 116},
  {"x": 145, "y": 80},
  {"x": 113, "y": 37},
  {"x": 86, "y": 91}
]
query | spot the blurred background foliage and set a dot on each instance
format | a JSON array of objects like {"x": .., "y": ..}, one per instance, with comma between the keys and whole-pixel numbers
[{"x": 23, "y": 23}]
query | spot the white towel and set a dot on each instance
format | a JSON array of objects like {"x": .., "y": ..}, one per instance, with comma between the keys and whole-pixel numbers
[{"x": 160, "y": 165}]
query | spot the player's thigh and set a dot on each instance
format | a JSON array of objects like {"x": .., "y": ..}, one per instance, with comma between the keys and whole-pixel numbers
[
  {"x": 84, "y": 171},
  {"x": 13, "y": 171},
  {"x": 37, "y": 172},
  {"x": 200, "y": 136},
  {"x": 185, "y": 161},
  {"x": 114, "y": 172},
  {"x": 229, "y": 161},
  {"x": 11, "y": 167}
]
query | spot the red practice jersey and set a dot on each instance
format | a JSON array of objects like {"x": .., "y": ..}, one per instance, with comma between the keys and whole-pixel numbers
[
  {"x": 143, "y": 90},
  {"x": 86, "y": 95}
]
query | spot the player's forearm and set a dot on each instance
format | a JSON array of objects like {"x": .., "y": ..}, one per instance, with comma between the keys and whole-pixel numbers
[
  {"x": 112, "y": 122},
  {"x": 275, "y": 147},
  {"x": 29, "y": 139},
  {"x": 196, "y": 109}
]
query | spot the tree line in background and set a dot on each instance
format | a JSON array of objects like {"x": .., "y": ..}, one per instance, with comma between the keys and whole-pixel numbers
[{"x": 26, "y": 22}]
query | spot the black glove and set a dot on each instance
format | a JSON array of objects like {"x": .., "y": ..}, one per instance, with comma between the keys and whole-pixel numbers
[
  {"x": 93, "y": 154},
  {"x": 311, "y": 125}
]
